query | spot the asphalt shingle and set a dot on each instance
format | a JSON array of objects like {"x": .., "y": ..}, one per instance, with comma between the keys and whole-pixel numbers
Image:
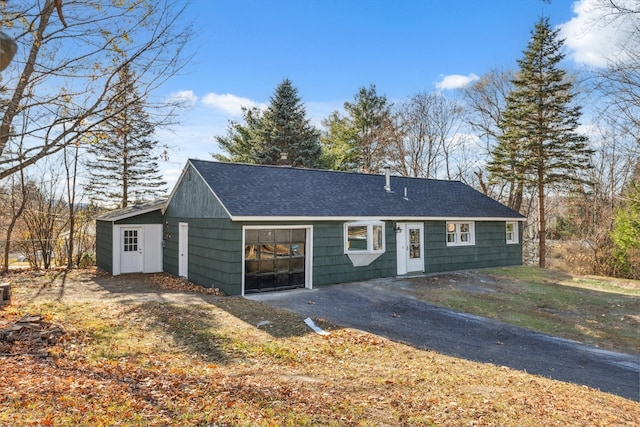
[{"x": 274, "y": 191}]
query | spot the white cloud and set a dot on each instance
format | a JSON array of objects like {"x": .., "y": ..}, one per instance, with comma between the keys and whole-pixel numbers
[
  {"x": 186, "y": 97},
  {"x": 229, "y": 103},
  {"x": 455, "y": 81},
  {"x": 595, "y": 35}
]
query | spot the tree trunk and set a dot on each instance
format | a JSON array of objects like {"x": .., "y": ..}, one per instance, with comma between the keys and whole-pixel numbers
[
  {"x": 72, "y": 174},
  {"x": 542, "y": 221},
  {"x": 14, "y": 218}
]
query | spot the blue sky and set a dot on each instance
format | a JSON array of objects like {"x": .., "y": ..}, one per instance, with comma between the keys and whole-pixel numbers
[{"x": 330, "y": 48}]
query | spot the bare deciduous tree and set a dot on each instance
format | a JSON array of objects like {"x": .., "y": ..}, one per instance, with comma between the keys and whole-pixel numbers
[
  {"x": 45, "y": 216},
  {"x": 15, "y": 199},
  {"x": 427, "y": 124},
  {"x": 59, "y": 79},
  {"x": 486, "y": 101}
]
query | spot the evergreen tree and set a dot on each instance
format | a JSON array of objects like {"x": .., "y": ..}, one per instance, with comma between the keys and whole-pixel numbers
[
  {"x": 371, "y": 117},
  {"x": 265, "y": 136},
  {"x": 626, "y": 233},
  {"x": 284, "y": 128},
  {"x": 241, "y": 139},
  {"x": 339, "y": 150},
  {"x": 124, "y": 168},
  {"x": 362, "y": 139},
  {"x": 539, "y": 145}
]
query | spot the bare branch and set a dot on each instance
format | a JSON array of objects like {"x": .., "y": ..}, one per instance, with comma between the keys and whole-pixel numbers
[{"x": 60, "y": 86}]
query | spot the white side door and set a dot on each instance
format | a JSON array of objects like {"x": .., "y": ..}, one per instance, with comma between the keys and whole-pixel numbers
[
  {"x": 183, "y": 250},
  {"x": 131, "y": 249},
  {"x": 410, "y": 247}
]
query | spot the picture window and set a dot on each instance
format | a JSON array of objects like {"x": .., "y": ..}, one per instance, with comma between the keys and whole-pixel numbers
[{"x": 364, "y": 237}]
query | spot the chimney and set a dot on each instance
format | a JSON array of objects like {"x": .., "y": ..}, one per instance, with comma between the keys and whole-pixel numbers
[
  {"x": 284, "y": 161},
  {"x": 387, "y": 175}
]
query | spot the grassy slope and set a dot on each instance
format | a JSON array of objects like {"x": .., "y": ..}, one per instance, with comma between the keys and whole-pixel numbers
[{"x": 163, "y": 364}]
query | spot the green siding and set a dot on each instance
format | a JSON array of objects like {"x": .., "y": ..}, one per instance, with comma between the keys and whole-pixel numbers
[
  {"x": 215, "y": 252},
  {"x": 104, "y": 245},
  {"x": 332, "y": 265},
  {"x": 153, "y": 217},
  {"x": 490, "y": 249},
  {"x": 193, "y": 199}
]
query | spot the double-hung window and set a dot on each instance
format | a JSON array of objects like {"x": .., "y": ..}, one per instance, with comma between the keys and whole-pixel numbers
[
  {"x": 512, "y": 232},
  {"x": 364, "y": 237},
  {"x": 460, "y": 233}
]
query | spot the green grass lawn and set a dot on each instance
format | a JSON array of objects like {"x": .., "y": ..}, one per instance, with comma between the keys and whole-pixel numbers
[{"x": 600, "y": 311}]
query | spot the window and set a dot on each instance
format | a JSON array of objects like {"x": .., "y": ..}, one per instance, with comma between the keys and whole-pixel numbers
[
  {"x": 130, "y": 240},
  {"x": 512, "y": 233},
  {"x": 364, "y": 237},
  {"x": 460, "y": 234}
]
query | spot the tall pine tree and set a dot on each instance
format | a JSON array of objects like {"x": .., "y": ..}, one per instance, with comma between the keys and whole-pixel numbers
[
  {"x": 265, "y": 136},
  {"x": 539, "y": 146},
  {"x": 285, "y": 129},
  {"x": 124, "y": 168}
]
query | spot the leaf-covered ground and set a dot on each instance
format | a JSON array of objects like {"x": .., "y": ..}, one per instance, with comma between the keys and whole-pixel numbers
[{"x": 164, "y": 364}]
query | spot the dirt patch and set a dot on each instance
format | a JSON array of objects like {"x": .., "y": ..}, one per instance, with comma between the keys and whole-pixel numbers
[
  {"x": 85, "y": 285},
  {"x": 468, "y": 281}
]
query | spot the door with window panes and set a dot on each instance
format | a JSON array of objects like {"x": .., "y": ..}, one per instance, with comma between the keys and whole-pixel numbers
[
  {"x": 274, "y": 259},
  {"x": 131, "y": 243}
]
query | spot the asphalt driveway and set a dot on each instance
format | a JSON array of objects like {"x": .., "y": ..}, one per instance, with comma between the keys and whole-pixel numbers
[{"x": 378, "y": 307}]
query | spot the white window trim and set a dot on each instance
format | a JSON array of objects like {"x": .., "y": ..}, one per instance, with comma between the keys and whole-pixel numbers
[
  {"x": 370, "y": 249},
  {"x": 458, "y": 242},
  {"x": 516, "y": 233}
]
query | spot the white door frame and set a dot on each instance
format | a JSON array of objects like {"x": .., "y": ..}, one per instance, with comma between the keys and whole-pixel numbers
[
  {"x": 405, "y": 264},
  {"x": 183, "y": 249}
]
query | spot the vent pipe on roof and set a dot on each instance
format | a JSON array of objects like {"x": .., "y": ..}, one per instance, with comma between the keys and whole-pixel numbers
[{"x": 387, "y": 176}]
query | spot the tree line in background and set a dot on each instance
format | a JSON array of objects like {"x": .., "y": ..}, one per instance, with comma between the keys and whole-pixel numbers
[
  {"x": 514, "y": 135},
  {"x": 86, "y": 114}
]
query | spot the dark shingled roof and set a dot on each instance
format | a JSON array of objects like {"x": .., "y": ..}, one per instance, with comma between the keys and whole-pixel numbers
[{"x": 273, "y": 191}]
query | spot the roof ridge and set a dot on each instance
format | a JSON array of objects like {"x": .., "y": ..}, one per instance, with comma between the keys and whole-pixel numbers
[{"x": 322, "y": 170}]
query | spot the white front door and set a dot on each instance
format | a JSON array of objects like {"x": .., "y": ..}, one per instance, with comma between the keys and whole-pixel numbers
[
  {"x": 410, "y": 247},
  {"x": 131, "y": 244},
  {"x": 183, "y": 250}
]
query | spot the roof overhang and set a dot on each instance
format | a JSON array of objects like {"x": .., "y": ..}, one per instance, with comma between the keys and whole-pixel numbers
[{"x": 130, "y": 212}]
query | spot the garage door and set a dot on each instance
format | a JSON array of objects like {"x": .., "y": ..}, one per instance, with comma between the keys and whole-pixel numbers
[{"x": 274, "y": 259}]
